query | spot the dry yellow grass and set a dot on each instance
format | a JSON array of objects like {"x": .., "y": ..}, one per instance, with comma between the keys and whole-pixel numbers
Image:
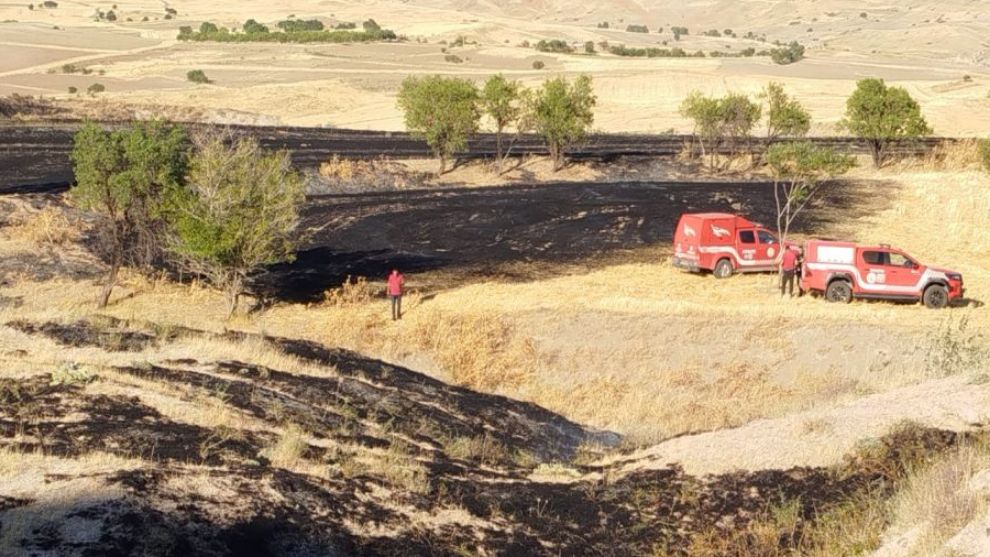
[{"x": 620, "y": 353}]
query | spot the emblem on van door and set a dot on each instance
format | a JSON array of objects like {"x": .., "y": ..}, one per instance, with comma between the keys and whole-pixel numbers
[
  {"x": 771, "y": 252},
  {"x": 688, "y": 231},
  {"x": 720, "y": 232}
]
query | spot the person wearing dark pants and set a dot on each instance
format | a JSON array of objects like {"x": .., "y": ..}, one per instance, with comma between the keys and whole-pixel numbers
[
  {"x": 788, "y": 271},
  {"x": 395, "y": 283}
]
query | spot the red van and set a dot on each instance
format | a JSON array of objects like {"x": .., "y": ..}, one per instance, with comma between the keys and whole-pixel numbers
[{"x": 724, "y": 244}]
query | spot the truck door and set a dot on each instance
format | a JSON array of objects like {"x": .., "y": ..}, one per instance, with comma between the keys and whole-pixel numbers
[
  {"x": 903, "y": 273},
  {"x": 768, "y": 249},
  {"x": 872, "y": 270},
  {"x": 747, "y": 248}
]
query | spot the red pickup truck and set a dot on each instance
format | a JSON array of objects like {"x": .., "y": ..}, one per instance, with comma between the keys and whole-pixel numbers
[
  {"x": 724, "y": 244},
  {"x": 843, "y": 271}
]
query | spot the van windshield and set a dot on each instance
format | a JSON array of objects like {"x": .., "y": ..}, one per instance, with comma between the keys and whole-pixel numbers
[{"x": 766, "y": 237}]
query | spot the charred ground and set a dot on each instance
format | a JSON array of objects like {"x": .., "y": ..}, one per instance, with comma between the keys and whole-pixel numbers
[{"x": 349, "y": 407}]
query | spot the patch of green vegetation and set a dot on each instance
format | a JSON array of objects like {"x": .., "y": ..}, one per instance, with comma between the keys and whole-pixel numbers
[{"x": 256, "y": 32}]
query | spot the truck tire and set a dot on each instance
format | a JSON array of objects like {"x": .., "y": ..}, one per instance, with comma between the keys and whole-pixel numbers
[
  {"x": 935, "y": 297},
  {"x": 839, "y": 291},
  {"x": 723, "y": 269}
]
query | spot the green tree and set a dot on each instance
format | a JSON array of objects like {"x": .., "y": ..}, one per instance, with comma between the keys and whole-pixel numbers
[
  {"x": 207, "y": 27},
  {"x": 122, "y": 177},
  {"x": 883, "y": 115},
  {"x": 789, "y": 54},
  {"x": 720, "y": 122},
  {"x": 238, "y": 214},
  {"x": 442, "y": 110},
  {"x": 800, "y": 171},
  {"x": 785, "y": 115},
  {"x": 562, "y": 112},
  {"x": 197, "y": 76},
  {"x": 501, "y": 101}
]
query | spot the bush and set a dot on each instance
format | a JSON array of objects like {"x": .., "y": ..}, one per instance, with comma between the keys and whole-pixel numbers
[
  {"x": 344, "y": 25},
  {"x": 73, "y": 90},
  {"x": 637, "y": 29},
  {"x": 651, "y": 52},
  {"x": 712, "y": 33},
  {"x": 787, "y": 55},
  {"x": 589, "y": 47},
  {"x": 49, "y": 4},
  {"x": 294, "y": 25},
  {"x": 207, "y": 27},
  {"x": 603, "y": 25},
  {"x": 984, "y": 148},
  {"x": 554, "y": 45},
  {"x": 679, "y": 31},
  {"x": 453, "y": 59},
  {"x": 111, "y": 16},
  {"x": 96, "y": 88},
  {"x": 538, "y": 65},
  {"x": 371, "y": 26},
  {"x": 197, "y": 76},
  {"x": 252, "y": 26}
]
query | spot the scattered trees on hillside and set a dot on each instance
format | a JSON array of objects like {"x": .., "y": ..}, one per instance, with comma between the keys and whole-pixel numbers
[
  {"x": 800, "y": 170},
  {"x": 882, "y": 115},
  {"x": 637, "y": 29},
  {"x": 238, "y": 214},
  {"x": 785, "y": 115},
  {"x": 502, "y": 102},
  {"x": 442, "y": 110},
  {"x": 294, "y": 25},
  {"x": 562, "y": 112},
  {"x": 720, "y": 121},
  {"x": 293, "y": 31},
  {"x": 122, "y": 177}
]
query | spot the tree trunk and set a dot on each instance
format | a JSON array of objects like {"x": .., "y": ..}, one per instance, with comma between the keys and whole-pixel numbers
[
  {"x": 498, "y": 149},
  {"x": 235, "y": 286},
  {"x": 104, "y": 298},
  {"x": 443, "y": 165},
  {"x": 878, "y": 154}
]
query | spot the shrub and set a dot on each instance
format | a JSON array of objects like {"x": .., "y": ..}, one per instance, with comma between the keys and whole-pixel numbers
[
  {"x": 207, "y": 27},
  {"x": 679, "y": 31},
  {"x": 589, "y": 47},
  {"x": 111, "y": 16},
  {"x": 344, "y": 25},
  {"x": 787, "y": 55},
  {"x": 453, "y": 59},
  {"x": 335, "y": 36},
  {"x": 984, "y": 149},
  {"x": 554, "y": 45},
  {"x": 49, "y": 4},
  {"x": 712, "y": 33},
  {"x": 73, "y": 90},
  {"x": 252, "y": 26},
  {"x": 538, "y": 65},
  {"x": 651, "y": 52},
  {"x": 96, "y": 88},
  {"x": 171, "y": 11},
  {"x": 371, "y": 26},
  {"x": 197, "y": 76},
  {"x": 637, "y": 29},
  {"x": 603, "y": 25},
  {"x": 294, "y": 25}
]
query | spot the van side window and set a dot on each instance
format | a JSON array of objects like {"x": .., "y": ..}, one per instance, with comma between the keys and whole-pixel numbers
[
  {"x": 766, "y": 237},
  {"x": 900, "y": 260},
  {"x": 875, "y": 257},
  {"x": 747, "y": 237}
]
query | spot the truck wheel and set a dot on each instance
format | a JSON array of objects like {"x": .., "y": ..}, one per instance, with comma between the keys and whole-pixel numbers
[
  {"x": 723, "y": 269},
  {"x": 936, "y": 297},
  {"x": 839, "y": 291}
]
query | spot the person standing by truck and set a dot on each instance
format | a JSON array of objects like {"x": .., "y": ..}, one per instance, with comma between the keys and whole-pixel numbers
[
  {"x": 788, "y": 271},
  {"x": 394, "y": 291}
]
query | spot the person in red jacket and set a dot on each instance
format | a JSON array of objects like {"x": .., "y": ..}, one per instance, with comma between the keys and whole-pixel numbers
[
  {"x": 394, "y": 291},
  {"x": 788, "y": 270}
]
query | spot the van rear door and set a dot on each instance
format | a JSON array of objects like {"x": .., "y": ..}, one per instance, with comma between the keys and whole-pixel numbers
[{"x": 687, "y": 241}]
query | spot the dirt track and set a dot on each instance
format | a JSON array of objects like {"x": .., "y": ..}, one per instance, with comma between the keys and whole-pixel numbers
[{"x": 481, "y": 230}]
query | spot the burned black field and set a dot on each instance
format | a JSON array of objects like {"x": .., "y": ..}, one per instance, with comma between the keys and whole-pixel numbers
[
  {"x": 486, "y": 231},
  {"x": 417, "y": 425}
]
